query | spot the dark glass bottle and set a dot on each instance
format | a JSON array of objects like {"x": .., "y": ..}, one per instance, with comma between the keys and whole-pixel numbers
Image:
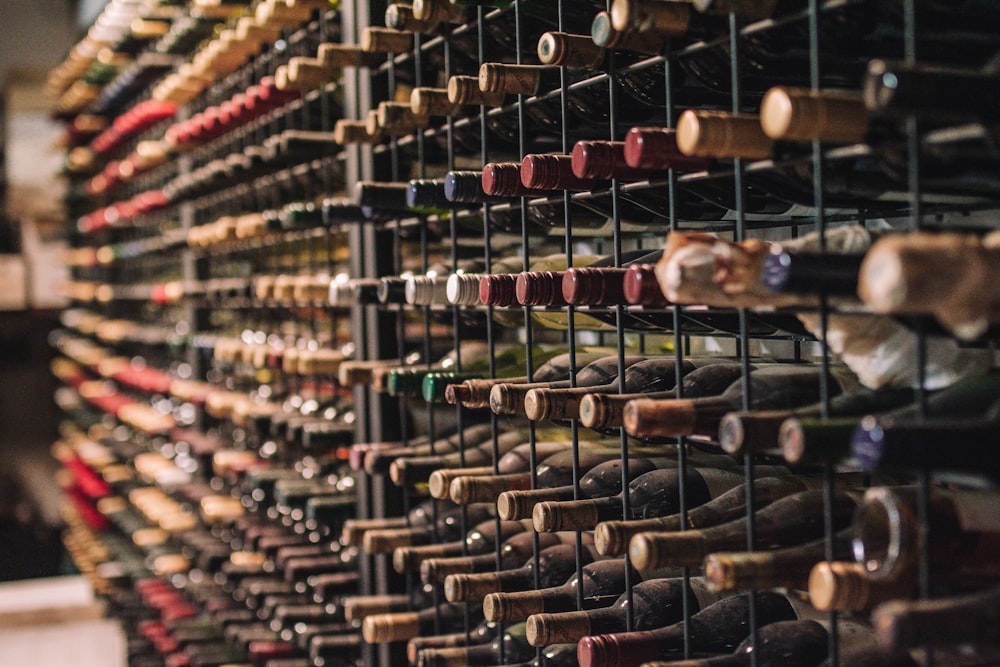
[
  {"x": 652, "y": 494},
  {"x": 509, "y": 399},
  {"x": 604, "y": 479},
  {"x": 555, "y": 565},
  {"x": 514, "y": 553},
  {"x": 704, "y": 377},
  {"x": 656, "y": 603},
  {"x": 811, "y": 440},
  {"x": 644, "y": 376},
  {"x": 383, "y": 628},
  {"x": 772, "y": 387},
  {"x": 603, "y": 581},
  {"x": 791, "y": 520},
  {"x": 755, "y": 431},
  {"x": 480, "y": 540},
  {"x": 961, "y": 529},
  {"x": 612, "y": 537},
  {"x": 788, "y": 567},
  {"x": 718, "y": 628}
]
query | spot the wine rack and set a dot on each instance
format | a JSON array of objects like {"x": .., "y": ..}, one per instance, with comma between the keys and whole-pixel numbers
[{"x": 247, "y": 177}]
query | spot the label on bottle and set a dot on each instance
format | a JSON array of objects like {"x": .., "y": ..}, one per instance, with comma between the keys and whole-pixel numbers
[
  {"x": 976, "y": 511},
  {"x": 703, "y": 595}
]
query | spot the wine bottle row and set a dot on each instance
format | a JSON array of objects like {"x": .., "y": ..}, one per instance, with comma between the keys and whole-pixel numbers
[{"x": 533, "y": 333}]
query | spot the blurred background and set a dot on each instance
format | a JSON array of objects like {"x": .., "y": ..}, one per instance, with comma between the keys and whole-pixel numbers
[{"x": 35, "y": 35}]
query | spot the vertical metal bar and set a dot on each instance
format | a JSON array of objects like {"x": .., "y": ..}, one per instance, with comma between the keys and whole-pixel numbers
[
  {"x": 744, "y": 347},
  {"x": 824, "y": 311},
  {"x": 679, "y": 349},
  {"x": 910, "y": 32}
]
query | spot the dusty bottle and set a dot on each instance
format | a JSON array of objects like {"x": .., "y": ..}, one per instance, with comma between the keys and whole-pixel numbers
[
  {"x": 771, "y": 387},
  {"x": 509, "y": 399},
  {"x": 612, "y": 537},
  {"x": 607, "y": 411},
  {"x": 718, "y": 628},
  {"x": 656, "y": 603},
  {"x": 556, "y": 564},
  {"x": 481, "y": 539},
  {"x": 653, "y": 494},
  {"x": 603, "y": 581},
  {"x": 754, "y": 431},
  {"x": 788, "y": 567},
  {"x": 792, "y": 520},
  {"x": 514, "y": 552},
  {"x": 963, "y": 530}
]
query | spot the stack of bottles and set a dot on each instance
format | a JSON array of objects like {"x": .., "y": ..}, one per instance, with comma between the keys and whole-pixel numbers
[{"x": 535, "y": 333}]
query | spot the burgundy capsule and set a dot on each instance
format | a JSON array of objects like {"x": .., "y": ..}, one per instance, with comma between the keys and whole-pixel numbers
[
  {"x": 540, "y": 288},
  {"x": 641, "y": 287},
  {"x": 552, "y": 172},
  {"x": 498, "y": 290},
  {"x": 591, "y": 286},
  {"x": 503, "y": 179},
  {"x": 604, "y": 160},
  {"x": 656, "y": 148}
]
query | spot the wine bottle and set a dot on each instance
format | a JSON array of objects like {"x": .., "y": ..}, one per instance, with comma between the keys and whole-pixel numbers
[
  {"x": 509, "y": 399},
  {"x": 587, "y": 106},
  {"x": 513, "y": 462},
  {"x": 377, "y": 460},
  {"x": 644, "y": 85},
  {"x": 603, "y": 479},
  {"x": 755, "y": 431},
  {"x": 400, "y": 626},
  {"x": 556, "y": 564},
  {"x": 702, "y": 269},
  {"x": 961, "y": 529},
  {"x": 541, "y": 286},
  {"x": 554, "y": 470},
  {"x": 718, "y": 628},
  {"x": 481, "y": 634},
  {"x": 802, "y": 114},
  {"x": 933, "y": 93},
  {"x": 812, "y": 273},
  {"x": 407, "y": 380},
  {"x": 947, "y": 275},
  {"x": 900, "y": 625},
  {"x": 656, "y": 603},
  {"x": 514, "y": 552},
  {"x": 612, "y": 537},
  {"x": 788, "y": 567},
  {"x": 482, "y": 538},
  {"x": 408, "y": 471},
  {"x": 447, "y": 527},
  {"x": 801, "y": 643},
  {"x": 606, "y": 411},
  {"x": 948, "y": 447},
  {"x": 475, "y": 393},
  {"x": 652, "y": 494},
  {"x": 512, "y": 645},
  {"x": 810, "y": 440},
  {"x": 771, "y": 387},
  {"x": 843, "y": 586},
  {"x": 598, "y": 285},
  {"x": 655, "y": 374},
  {"x": 791, "y": 520},
  {"x": 875, "y": 176},
  {"x": 601, "y": 583}
]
